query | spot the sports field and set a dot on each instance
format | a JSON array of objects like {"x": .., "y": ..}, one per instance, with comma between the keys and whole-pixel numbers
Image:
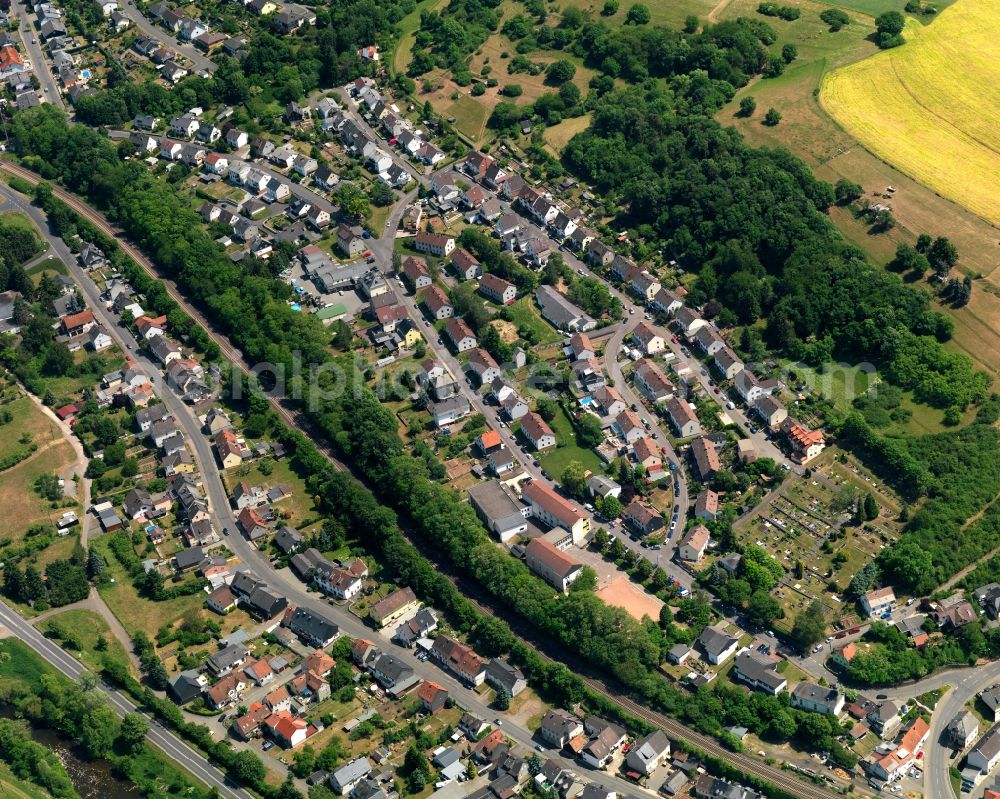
[{"x": 932, "y": 107}]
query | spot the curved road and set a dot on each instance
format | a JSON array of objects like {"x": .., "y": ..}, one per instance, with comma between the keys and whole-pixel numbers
[
  {"x": 144, "y": 26},
  {"x": 295, "y": 591}
]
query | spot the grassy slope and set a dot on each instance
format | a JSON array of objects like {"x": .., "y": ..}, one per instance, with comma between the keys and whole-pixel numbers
[
  {"x": 832, "y": 153},
  {"x": 85, "y": 628}
]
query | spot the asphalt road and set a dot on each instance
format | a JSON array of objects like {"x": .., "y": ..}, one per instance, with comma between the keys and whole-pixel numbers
[
  {"x": 169, "y": 743},
  {"x": 144, "y": 26},
  {"x": 39, "y": 63},
  {"x": 283, "y": 581},
  {"x": 937, "y": 757},
  {"x": 296, "y": 592}
]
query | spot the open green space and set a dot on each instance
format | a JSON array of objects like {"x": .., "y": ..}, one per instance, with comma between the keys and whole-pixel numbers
[
  {"x": 49, "y": 265},
  {"x": 567, "y": 450},
  {"x": 524, "y": 314},
  {"x": 136, "y": 613},
  {"x": 86, "y": 635}
]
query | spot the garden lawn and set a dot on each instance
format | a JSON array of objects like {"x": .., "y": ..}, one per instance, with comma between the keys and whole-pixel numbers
[
  {"x": 567, "y": 451},
  {"x": 523, "y": 314}
]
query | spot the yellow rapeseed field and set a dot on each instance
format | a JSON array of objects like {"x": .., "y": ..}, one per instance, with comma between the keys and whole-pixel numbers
[{"x": 931, "y": 107}]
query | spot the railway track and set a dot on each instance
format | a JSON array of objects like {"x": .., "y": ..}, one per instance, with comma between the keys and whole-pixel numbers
[{"x": 796, "y": 785}]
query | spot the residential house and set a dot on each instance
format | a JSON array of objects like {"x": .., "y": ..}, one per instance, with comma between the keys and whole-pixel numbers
[
  {"x": 693, "y": 545},
  {"x": 350, "y": 240},
  {"x": 558, "y": 728},
  {"x": 580, "y": 347},
  {"x": 889, "y": 766},
  {"x": 227, "y": 659},
  {"x": 460, "y": 335},
  {"x": 648, "y": 753},
  {"x": 806, "y": 443},
  {"x": 450, "y": 410},
  {"x": 683, "y": 417},
  {"x": 460, "y": 659},
  {"x": 312, "y": 628},
  {"x": 497, "y": 289},
  {"x": 771, "y": 412},
  {"x": 416, "y": 272},
  {"x": 878, "y": 602},
  {"x": 759, "y": 672},
  {"x": 503, "y": 676},
  {"x": 437, "y": 303},
  {"x": 817, "y": 698},
  {"x": 628, "y": 426},
  {"x": 432, "y": 697},
  {"x": 706, "y": 505},
  {"x": 728, "y": 363},
  {"x": 717, "y": 645},
  {"x": 609, "y": 400},
  {"x": 962, "y": 730},
  {"x": 393, "y": 607},
  {"x": 652, "y": 382},
  {"x": 221, "y": 600},
  {"x": 986, "y": 753},
  {"x": 423, "y": 623},
  {"x": 605, "y": 739},
  {"x": 343, "y": 779},
  {"x": 688, "y": 321},
  {"x": 642, "y": 517},
  {"x": 252, "y": 524},
  {"x": 436, "y": 244},
  {"x": 537, "y": 431},
  {"x": 647, "y": 454},
  {"x": 482, "y": 364},
  {"x": 706, "y": 458}
]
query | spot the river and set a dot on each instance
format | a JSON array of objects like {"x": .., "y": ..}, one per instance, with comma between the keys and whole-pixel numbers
[{"x": 92, "y": 780}]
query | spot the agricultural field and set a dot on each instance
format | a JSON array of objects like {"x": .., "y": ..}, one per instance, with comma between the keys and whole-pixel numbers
[
  {"x": 932, "y": 106},
  {"x": 833, "y": 153}
]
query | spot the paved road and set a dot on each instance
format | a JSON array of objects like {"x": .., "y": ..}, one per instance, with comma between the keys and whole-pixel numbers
[
  {"x": 39, "y": 63},
  {"x": 146, "y": 27},
  {"x": 351, "y": 107},
  {"x": 283, "y": 581},
  {"x": 170, "y": 744},
  {"x": 937, "y": 781},
  {"x": 295, "y": 590}
]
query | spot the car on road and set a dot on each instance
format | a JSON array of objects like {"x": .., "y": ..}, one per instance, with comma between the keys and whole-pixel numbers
[
  {"x": 631, "y": 311},
  {"x": 716, "y": 390},
  {"x": 225, "y": 531},
  {"x": 580, "y": 272},
  {"x": 881, "y": 696},
  {"x": 268, "y": 745},
  {"x": 841, "y": 634}
]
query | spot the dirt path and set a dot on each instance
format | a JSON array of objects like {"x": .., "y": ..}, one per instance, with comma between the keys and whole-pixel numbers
[
  {"x": 713, "y": 15},
  {"x": 959, "y": 575},
  {"x": 71, "y": 472},
  {"x": 95, "y": 604}
]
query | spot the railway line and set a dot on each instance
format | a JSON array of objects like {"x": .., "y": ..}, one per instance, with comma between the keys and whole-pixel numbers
[{"x": 785, "y": 780}]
